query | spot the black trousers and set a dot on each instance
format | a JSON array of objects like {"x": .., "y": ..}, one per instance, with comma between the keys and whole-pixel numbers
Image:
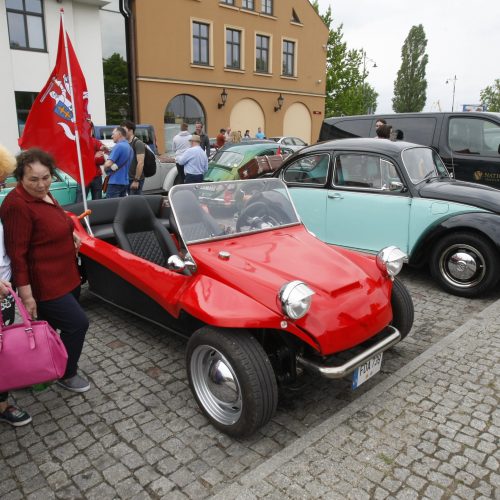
[
  {"x": 66, "y": 314},
  {"x": 180, "y": 171}
]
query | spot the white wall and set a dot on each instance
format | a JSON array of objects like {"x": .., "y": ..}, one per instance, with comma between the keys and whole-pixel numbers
[{"x": 28, "y": 71}]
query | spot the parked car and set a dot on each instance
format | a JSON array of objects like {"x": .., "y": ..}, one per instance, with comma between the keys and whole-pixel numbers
[
  {"x": 146, "y": 133},
  {"x": 468, "y": 143},
  {"x": 256, "y": 294},
  {"x": 63, "y": 187},
  {"x": 368, "y": 193},
  {"x": 229, "y": 161},
  {"x": 294, "y": 143}
]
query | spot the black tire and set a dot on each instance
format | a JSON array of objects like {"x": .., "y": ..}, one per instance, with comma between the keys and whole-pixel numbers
[
  {"x": 231, "y": 364},
  {"x": 474, "y": 269},
  {"x": 402, "y": 308}
]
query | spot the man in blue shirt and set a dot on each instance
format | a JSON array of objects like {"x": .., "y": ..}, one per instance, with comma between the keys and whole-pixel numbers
[
  {"x": 195, "y": 161},
  {"x": 260, "y": 134},
  {"x": 117, "y": 165}
]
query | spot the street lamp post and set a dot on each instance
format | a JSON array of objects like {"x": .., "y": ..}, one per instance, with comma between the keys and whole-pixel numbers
[
  {"x": 454, "y": 80},
  {"x": 365, "y": 58}
]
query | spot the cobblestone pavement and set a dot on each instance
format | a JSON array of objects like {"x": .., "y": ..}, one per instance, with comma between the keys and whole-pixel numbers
[{"x": 427, "y": 427}]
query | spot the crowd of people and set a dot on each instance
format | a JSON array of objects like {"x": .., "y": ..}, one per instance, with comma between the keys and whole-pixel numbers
[{"x": 191, "y": 151}]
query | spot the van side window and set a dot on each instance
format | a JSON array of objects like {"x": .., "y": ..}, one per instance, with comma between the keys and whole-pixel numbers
[
  {"x": 345, "y": 128},
  {"x": 474, "y": 136},
  {"x": 417, "y": 129}
]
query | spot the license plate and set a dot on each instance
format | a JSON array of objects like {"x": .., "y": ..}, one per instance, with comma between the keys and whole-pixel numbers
[{"x": 366, "y": 370}]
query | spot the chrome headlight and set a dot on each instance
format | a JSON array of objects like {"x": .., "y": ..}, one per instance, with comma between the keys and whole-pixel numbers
[
  {"x": 295, "y": 298},
  {"x": 391, "y": 260}
]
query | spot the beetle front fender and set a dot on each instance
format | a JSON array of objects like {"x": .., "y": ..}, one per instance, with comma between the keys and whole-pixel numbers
[
  {"x": 170, "y": 178},
  {"x": 483, "y": 223}
]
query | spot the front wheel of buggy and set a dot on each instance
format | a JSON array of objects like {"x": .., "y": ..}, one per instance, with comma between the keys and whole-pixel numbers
[{"x": 232, "y": 380}]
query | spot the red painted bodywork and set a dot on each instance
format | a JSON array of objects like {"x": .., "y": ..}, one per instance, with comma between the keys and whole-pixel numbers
[{"x": 351, "y": 301}]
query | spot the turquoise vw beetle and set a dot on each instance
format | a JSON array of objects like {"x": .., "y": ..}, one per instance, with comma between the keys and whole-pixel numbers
[
  {"x": 63, "y": 187},
  {"x": 366, "y": 194}
]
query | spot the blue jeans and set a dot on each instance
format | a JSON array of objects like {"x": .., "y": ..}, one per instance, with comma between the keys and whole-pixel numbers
[
  {"x": 116, "y": 190},
  {"x": 66, "y": 314},
  {"x": 138, "y": 190},
  {"x": 192, "y": 178}
]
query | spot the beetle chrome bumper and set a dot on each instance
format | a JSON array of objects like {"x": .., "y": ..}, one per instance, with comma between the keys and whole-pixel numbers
[{"x": 341, "y": 371}]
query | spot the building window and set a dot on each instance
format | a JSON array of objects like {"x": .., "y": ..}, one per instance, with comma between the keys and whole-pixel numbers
[
  {"x": 233, "y": 49},
  {"x": 267, "y": 7},
  {"x": 24, "y": 101},
  {"x": 183, "y": 108},
  {"x": 227, "y": 2},
  {"x": 201, "y": 43},
  {"x": 288, "y": 58},
  {"x": 262, "y": 54},
  {"x": 25, "y": 21},
  {"x": 248, "y": 4}
]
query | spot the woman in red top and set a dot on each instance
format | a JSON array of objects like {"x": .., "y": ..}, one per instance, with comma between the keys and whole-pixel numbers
[{"x": 40, "y": 241}]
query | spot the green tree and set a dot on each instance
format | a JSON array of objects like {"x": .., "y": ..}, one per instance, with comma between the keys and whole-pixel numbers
[
  {"x": 491, "y": 96},
  {"x": 347, "y": 91},
  {"x": 410, "y": 86},
  {"x": 116, "y": 91}
]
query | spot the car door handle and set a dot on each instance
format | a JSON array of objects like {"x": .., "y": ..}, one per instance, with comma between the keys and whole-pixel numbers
[{"x": 335, "y": 195}]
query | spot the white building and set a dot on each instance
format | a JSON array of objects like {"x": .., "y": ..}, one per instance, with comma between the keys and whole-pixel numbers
[{"x": 29, "y": 31}]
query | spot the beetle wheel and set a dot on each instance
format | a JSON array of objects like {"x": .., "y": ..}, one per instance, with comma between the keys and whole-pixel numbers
[
  {"x": 232, "y": 380},
  {"x": 465, "y": 264},
  {"x": 402, "y": 308}
]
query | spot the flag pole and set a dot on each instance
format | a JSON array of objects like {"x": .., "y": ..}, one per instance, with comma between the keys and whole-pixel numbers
[{"x": 75, "y": 123}]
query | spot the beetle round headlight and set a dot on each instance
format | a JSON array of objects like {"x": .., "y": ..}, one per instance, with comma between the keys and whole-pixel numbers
[
  {"x": 391, "y": 260},
  {"x": 295, "y": 298}
]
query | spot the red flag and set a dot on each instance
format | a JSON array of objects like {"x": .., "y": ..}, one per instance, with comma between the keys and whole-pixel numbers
[{"x": 50, "y": 122}]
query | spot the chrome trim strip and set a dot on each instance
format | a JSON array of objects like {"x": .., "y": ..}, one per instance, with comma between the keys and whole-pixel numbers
[{"x": 348, "y": 367}]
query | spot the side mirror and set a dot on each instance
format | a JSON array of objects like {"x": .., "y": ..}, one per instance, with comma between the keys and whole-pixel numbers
[
  {"x": 176, "y": 264},
  {"x": 396, "y": 186}
]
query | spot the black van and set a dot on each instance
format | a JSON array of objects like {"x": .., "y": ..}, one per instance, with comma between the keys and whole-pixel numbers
[{"x": 468, "y": 143}]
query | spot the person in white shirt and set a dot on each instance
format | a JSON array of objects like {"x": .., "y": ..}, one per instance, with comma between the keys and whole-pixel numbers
[
  {"x": 180, "y": 145},
  {"x": 194, "y": 161}
]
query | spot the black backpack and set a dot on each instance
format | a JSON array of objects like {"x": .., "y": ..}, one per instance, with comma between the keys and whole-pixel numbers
[{"x": 149, "y": 160}]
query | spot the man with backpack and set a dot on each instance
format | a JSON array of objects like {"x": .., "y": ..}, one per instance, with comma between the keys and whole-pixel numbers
[{"x": 136, "y": 170}]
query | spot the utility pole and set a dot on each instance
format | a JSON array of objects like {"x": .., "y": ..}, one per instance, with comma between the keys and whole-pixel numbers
[
  {"x": 454, "y": 80},
  {"x": 365, "y": 58}
]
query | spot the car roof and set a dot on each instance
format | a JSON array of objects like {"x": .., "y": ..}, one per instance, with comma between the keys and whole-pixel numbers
[
  {"x": 243, "y": 145},
  {"x": 388, "y": 116},
  {"x": 376, "y": 145}
]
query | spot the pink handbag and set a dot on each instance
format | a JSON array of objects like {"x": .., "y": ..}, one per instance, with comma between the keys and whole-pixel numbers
[{"x": 31, "y": 352}]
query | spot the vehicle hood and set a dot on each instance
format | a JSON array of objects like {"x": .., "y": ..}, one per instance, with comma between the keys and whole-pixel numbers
[
  {"x": 351, "y": 301},
  {"x": 468, "y": 193}
]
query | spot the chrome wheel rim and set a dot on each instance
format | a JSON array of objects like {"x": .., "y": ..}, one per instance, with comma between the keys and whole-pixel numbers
[
  {"x": 216, "y": 384},
  {"x": 462, "y": 266}
]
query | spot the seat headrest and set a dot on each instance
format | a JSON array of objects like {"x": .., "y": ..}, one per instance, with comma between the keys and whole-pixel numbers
[
  {"x": 134, "y": 214},
  {"x": 187, "y": 207}
]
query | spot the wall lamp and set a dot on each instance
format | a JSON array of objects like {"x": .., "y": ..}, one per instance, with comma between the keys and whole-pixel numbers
[
  {"x": 280, "y": 103},
  {"x": 223, "y": 99}
]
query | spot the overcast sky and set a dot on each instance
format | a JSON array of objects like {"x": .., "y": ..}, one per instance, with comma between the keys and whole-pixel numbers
[{"x": 463, "y": 39}]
